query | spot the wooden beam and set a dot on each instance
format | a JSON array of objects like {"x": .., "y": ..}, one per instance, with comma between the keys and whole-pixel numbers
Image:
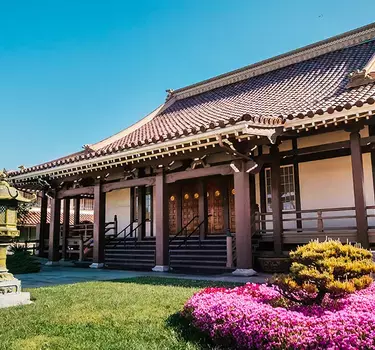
[
  {"x": 276, "y": 200},
  {"x": 65, "y": 230},
  {"x": 262, "y": 189},
  {"x": 202, "y": 172},
  {"x": 143, "y": 181},
  {"x": 359, "y": 195},
  {"x": 141, "y": 212},
  {"x": 43, "y": 223},
  {"x": 202, "y": 207},
  {"x": 74, "y": 192},
  {"x": 297, "y": 191},
  {"x": 242, "y": 207},
  {"x": 77, "y": 209},
  {"x": 161, "y": 223},
  {"x": 54, "y": 231},
  {"x": 99, "y": 226}
]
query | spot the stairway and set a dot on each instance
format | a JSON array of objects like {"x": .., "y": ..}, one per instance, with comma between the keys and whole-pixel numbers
[
  {"x": 133, "y": 255},
  {"x": 210, "y": 256}
]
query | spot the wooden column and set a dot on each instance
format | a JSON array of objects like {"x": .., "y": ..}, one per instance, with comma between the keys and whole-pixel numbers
[
  {"x": 43, "y": 223},
  {"x": 141, "y": 212},
  {"x": 262, "y": 189},
  {"x": 65, "y": 227},
  {"x": 161, "y": 223},
  {"x": 297, "y": 192},
  {"x": 179, "y": 207},
  {"x": 224, "y": 188},
  {"x": 99, "y": 227},
  {"x": 77, "y": 209},
  {"x": 203, "y": 210},
  {"x": 276, "y": 200},
  {"x": 54, "y": 231},
  {"x": 242, "y": 207},
  {"x": 359, "y": 195},
  {"x": 132, "y": 207}
]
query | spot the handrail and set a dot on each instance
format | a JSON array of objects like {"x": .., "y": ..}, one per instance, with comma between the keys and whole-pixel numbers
[
  {"x": 131, "y": 233},
  {"x": 192, "y": 232},
  {"x": 118, "y": 234},
  {"x": 183, "y": 229}
]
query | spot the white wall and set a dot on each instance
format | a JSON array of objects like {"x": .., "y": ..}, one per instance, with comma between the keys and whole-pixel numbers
[{"x": 118, "y": 203}]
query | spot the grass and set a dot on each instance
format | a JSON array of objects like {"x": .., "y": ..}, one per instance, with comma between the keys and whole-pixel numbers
[{"x": 139, "y": 313}]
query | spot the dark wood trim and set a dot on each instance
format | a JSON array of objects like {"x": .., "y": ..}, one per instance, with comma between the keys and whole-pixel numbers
[
  {"x": 77, "y": 209},
  {"x": 99, "y": 224},
  {"x": 132, "y": 207},
  {"x": 43, "y": 223},
  {"x": 161, "y": 221},
  {"x": 143, "y": 181},
  {"x": 243, "y": 213},
  {"x": 74, "y": 192},
  {"x": 141, "y": 212},
  {"x": 203, "y": 208},
  {"x": 276, "y": 200},
  {"x": 202, "y": 172},
  {"x": 262, "y": 188},
  {"x": 297, "y": 190},
  {"x": 359, "y": 195},
  {"x": 179, "y": 206},
  {"x": 225, "y": 191},
  {"x": 151, "y": 211},
  {"x": 54, "y": 230},
  {"x": 65, "y": 227},
  {"x": 371, "y": 130}
]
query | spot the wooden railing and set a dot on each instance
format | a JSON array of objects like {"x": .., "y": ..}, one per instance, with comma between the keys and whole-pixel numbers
[{"x": 302, "y": 225}]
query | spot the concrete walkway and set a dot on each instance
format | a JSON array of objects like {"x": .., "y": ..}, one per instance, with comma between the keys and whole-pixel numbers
[{"x": 50, "y": 276}]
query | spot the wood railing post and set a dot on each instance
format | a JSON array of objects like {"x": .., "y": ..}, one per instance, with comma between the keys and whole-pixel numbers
[
  {"x": 359, "y": 195},
  {"x": 54, "y": 231},
  {"x": 320, "y": 224},
  {"x": 81, "y": 248},
  {"x": 43, "y": 223},
  {"x": 229, "y": 250}
]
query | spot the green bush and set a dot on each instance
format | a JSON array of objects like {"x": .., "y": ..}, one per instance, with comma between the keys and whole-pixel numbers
[
  {"x": 22, "y": 262},
  {"x": 322, "y": 269}
]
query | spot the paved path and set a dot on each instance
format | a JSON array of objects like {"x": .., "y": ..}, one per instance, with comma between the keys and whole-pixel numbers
[{"x": 50, "y": 276}]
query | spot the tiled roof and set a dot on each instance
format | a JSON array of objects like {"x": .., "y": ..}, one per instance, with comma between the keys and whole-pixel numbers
[
  {"x": 33, "y": 218},
  {"x": 307, "y": 88}
]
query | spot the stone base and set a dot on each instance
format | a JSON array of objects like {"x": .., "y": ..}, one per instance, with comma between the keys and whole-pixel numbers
[
  {"x": 8, "y": 300},
  {"x": 96, "y": 266},
  {"x": 244, "y": 272},
  {"x": 52, "y": 263},
  {"x": 160, "y": 268}
]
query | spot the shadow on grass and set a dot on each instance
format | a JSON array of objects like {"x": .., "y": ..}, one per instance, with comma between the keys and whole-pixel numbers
[
  {"x": 187, "y": 332},
  {"x": 176, "y": 282}
]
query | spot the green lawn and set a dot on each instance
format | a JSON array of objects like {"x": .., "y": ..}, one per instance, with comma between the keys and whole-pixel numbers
[{"x": 139, "y": 313}]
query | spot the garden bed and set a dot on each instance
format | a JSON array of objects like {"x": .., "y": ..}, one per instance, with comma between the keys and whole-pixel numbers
[{"x": 257, "y": 317}]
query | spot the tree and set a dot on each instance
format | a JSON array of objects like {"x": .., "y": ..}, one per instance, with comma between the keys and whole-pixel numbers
[{"x": 322, "y": 269}]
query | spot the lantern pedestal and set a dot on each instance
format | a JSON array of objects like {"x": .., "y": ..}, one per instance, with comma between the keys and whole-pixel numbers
[{"x": 10, "y": 287}]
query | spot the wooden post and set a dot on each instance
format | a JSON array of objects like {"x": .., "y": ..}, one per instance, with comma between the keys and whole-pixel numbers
[
  {"x": 202, "y": 205},
  {"x": 359, "y": 195},
  {"x": 242, "y": 207},
  {"x": 43, "y": 223},
  {"x": 99, "y": 227},
  {"x": 161, "y": 223},
  {"x": 77, "y": 209},
  {"x": 141, "y": 212},
  {"x": 276, "y": 200},
  {"x": 224, "y": 188},
  {"x": 297, "y": 190},
  {"x": 229, "y": 251},
  {"x": 54, "y": 231},
  {"x": 65, "y": 228}
]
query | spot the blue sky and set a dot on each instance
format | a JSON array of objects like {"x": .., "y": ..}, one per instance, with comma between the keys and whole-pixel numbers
[{"x": 73, "y": 72}]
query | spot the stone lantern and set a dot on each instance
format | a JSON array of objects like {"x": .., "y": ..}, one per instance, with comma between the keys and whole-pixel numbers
[{"x": 10, "y": 287}]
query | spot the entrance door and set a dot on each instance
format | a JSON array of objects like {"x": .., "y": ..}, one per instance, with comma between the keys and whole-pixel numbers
[
  {"x": 215, "y": 199},
  {"x": 190, "y": 206}
]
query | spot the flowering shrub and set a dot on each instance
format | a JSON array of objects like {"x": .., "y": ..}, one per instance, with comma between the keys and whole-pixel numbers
[
  {"x": 257, "y": 317},
  {"x": 321, "y": 269}
]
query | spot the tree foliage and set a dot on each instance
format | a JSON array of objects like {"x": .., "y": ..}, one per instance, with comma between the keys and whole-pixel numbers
[{"x": 322, "y": 269}]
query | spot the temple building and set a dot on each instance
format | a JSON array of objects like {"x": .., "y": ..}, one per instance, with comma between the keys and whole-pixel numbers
[{"x": 228, "y": 172}]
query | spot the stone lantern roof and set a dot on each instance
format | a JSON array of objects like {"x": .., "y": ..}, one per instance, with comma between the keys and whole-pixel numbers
[{"x": 8, "y": 193}]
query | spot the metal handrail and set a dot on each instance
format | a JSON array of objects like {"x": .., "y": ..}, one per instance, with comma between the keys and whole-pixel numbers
[
  {"x": 183, "y": 229},
  {"x": 131, "y": 233},
  {"x": 192, "y": 232},
  {"x": 119, "y": 233}
]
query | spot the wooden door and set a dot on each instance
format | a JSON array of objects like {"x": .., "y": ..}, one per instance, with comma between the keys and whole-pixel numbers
[
  {"x": 232, "y": 214},
  {"x": 173, "y": 210},
  {"x": 215, "y": 201},
  {"x": 190, "y": 206}
]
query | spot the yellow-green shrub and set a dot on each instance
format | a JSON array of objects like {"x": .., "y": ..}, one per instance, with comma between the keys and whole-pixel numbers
[{"x": 325, "y": 268}]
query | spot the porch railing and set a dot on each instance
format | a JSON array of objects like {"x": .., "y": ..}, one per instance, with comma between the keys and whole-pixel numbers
[{"x": 183, "y": 231}]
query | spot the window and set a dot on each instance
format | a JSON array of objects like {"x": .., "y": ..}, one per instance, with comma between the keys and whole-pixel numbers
[{"x": 288, "y": 198}]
